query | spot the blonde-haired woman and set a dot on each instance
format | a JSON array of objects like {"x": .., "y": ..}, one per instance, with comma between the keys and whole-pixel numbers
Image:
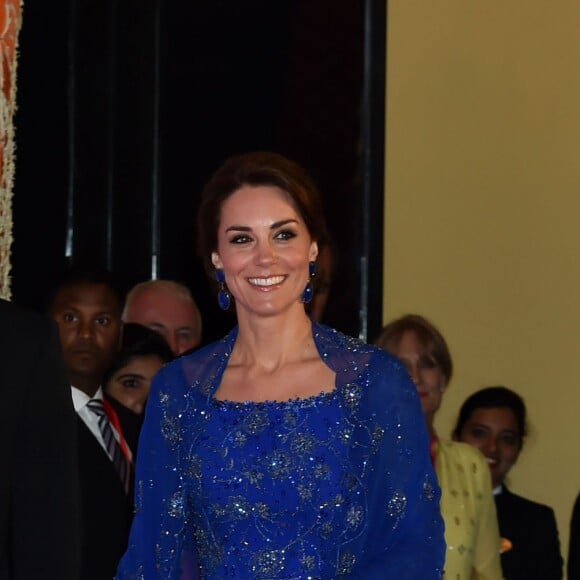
[{"x": 471, "y": 529}]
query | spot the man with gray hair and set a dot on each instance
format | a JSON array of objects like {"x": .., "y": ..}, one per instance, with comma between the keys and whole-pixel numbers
[{"x": 168, "y": 308}]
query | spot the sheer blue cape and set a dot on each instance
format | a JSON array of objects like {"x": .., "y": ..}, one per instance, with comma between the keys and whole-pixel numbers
[{"x": 400, "y": 533}]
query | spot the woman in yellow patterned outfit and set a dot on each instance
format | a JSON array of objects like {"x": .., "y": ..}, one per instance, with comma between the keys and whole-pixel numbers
[{"x": 471, "y": 529}]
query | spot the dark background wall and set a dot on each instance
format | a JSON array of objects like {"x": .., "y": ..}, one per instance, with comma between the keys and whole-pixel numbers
[{"x": 125, "y": 109}]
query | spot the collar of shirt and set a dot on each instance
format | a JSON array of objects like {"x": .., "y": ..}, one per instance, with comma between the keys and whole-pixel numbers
[
  {"x": 80, "y": 398},
  {"x": 89, "y": 418}
]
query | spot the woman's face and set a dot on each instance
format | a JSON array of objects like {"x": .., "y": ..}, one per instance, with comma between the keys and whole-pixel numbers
[
  {"x": 495, "y": 433},
  {"x": 130, "y": 384},
  {"x": 264, "y": 249},
  {"x": 424, "y": 372}
]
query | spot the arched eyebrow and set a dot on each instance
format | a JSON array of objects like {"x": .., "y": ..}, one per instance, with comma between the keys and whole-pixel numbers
[
  {"x": 509, "y": 432},
  {"x": 274, "y": 226},
  {"x": 131, "y": 376},
  {"x": 480, "y": 426},
  {"x": 283, "y": 223}
]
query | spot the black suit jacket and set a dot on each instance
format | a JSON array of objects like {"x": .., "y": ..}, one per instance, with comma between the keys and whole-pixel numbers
[
  {"x": 106, "y": 510},
  {"x": 574, "y": 552},
  {"x": 531, "y": 528},
  {"x": 39, "y": 528}
]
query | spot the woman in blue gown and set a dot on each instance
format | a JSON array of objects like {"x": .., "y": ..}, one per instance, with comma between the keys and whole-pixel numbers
[{"x": 285, "y": 450}]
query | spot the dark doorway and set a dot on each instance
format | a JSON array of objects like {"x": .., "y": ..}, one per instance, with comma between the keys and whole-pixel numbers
[{"x": 126, "y": 108}]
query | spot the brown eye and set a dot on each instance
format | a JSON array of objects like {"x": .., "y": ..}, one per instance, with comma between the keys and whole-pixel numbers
[
  {"x": 427, "y": 363},
  {"x": 285, "y": 235},
  {"x": 130, "y": 383},
  {"x": 478, "y": 433},
  {"x": 240, "y": 239},
  {"x": 509, "y": 439}
]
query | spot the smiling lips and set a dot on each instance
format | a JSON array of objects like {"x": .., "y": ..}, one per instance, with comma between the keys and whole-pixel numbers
[{"x": 266, "y": 282}]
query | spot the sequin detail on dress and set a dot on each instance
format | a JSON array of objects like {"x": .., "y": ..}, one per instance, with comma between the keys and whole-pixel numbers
[
  {"x": 331, "y": 486},
  {"x": 273, "y": 494}
]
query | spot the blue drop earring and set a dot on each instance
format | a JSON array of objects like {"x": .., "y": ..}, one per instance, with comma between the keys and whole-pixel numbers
[
  {"x": 223, "y": 297},
  {"x": 309, "y": 291}
]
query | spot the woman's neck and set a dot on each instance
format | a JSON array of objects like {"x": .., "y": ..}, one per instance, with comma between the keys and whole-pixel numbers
[
  {"x": 275, "y": 360},
  {"x": 271, "y": 342}
]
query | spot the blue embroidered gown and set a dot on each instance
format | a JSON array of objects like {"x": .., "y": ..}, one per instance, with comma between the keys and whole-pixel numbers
[{"x": 338, "y": 485}]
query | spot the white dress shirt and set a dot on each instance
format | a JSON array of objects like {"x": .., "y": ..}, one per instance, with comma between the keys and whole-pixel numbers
[{"x": 90, "y": 419}]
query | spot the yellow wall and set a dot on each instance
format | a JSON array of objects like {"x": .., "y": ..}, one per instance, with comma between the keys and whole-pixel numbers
[{"x": 482, "y": 213}]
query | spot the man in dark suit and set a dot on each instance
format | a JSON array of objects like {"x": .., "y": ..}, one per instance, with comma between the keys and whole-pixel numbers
[
  {"x": 574, "y": 550},
  {"x": 531, "y": 529},
  {"x": 87, "y": 310},
  {"x": 38, "y": 479}
]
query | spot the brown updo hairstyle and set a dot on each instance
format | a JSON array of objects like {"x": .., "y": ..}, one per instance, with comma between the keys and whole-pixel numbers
[
  {"x": 256, "y": 169},
  {"x": 430, "y": 339}
]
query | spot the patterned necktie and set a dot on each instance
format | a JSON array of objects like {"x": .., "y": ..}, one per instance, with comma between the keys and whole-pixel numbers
[{"x": 120, "y": 461}]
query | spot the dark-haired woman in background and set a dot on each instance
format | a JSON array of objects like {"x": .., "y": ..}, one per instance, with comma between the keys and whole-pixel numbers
[
  {"x": 494, "y": 421},
  {"x": 143, "y": 352}
]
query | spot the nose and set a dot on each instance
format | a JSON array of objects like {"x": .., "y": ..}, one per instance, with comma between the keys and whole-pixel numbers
[
  {"x": 415, "y": 374},
  {"x": 173, "y": 344},
  {"x": 489, "y": 446},
  {"x": 265, "y": 253},
  {"x": 86, "y": 330}
]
